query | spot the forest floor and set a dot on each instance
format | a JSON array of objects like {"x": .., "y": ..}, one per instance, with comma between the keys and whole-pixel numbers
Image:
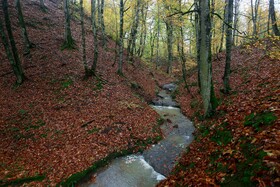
[
  {"x": 240, "y": 144},
  {"x": 58, "y": 123}
]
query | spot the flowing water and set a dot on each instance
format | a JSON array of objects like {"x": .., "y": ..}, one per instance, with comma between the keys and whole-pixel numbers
[{"x": 149, "y": 168}]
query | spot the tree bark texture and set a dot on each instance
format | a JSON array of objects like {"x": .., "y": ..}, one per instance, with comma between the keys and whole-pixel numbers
[
  {"x": 83, "y": 38},
  {"x": 95, "y": 38},
  {"x": 273, "y": 18},
  {"x": 205, "y": 56},
  {"x": 68, "y": 39},
  {"x": 121, "y": 38},
  {"x": 228, "y": 47}
]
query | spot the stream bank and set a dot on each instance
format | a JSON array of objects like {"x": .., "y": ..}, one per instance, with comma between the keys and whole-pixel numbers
[{"x": 154, "y": 164}]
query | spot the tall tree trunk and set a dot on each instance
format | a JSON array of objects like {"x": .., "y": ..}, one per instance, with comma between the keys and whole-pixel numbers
[
  {"x": 158, "y": 31},
  {"x": 205, "y": 57},
  {"x": 228, "y": 47},
  {"x": 27, "y": 43},
  {"x": 69, "y": 42},
  {"x": 169, "y": 30},
  {"x": 254, "y": 12},
  {"x": 121, "y": 38},
  {"x": 273, "y": 18},
  {"x": 102, "y": 24},
  {"x": 143, "y": 36},
  {"x": 9, "y": 54},
  {"x": 16, "y": 64},
  {"x": 197, "y": 37},
  {"x": 95, "y": 38},
  {"x": 235, "y": 23},
  {"x": 223, "y": 29},
  {"x": 83, "y": 38},
  {"x": 133, "y": 33}
]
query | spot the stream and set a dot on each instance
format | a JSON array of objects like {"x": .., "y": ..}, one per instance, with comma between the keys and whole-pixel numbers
[{"x": 154, "y": 164}]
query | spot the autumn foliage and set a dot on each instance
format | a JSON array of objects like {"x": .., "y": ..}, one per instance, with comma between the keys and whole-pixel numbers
[
  {"x": 58, "y": 123},
  {"x": 239, "y": 145}
]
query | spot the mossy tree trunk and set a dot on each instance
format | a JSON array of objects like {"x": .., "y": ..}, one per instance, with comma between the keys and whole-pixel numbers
[
  {"x": 69, "y": 42},
  {"x": 169, "y": 30},
  {"x": 27, "y": 44},
  {"x": 228, "y": 47},
  {"x": 205, "y": 64},
  {"x": 12, "y": 56}
]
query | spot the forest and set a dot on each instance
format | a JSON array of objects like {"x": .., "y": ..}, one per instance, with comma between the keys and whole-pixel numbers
[{"x": 189, "y": 87}]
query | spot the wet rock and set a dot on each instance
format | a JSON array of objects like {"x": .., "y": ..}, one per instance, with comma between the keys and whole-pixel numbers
[{"x": 169, "y": 87}]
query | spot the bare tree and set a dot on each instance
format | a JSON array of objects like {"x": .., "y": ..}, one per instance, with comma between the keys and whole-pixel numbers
[{"x": 13, "y": 57}]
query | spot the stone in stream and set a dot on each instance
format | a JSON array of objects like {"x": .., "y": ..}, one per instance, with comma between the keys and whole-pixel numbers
[
  {"x": 169, "y": 87},
  {"x": 164, "y": 99}
]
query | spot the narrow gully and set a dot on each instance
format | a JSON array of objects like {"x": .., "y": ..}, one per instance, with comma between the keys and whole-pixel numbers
[{"x": 154, "y": 164}]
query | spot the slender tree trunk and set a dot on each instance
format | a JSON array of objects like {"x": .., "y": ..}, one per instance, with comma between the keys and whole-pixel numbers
[
  {"x": 228, "y": 47},
  {"x": 197, "y": 34},
  {"x": 27, "y": 43},
  {"x": 205, "y": 57},
  {"x": 83, "y": 38},
  {"x": 236, "y": 19},
  {"x": 68, "y": 39},
  {"x": 144, "y": 12},
  {"x": 98, "y": 14},
  {"x": 133, "y": 33},
  {"x": 102, "y": 23},
  {"x": 9, "y": 54},
  {"x": 121, "y": 38},
  {"x": 16, "y": 64},
  {"x": 152, "y": 44},
  {"x": 254, "y": 12},
  {"x": 158, "y": 31},
  {"x": 268, "y": 22},
  {"x": 273, "y": 18},
  {"x": 223, "y": 29},
  {"x": 95, "y": 38},
  {"x": 169, "y": 30}
]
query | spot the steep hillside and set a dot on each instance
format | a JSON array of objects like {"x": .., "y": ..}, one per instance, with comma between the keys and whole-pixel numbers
[
  {"x": 58, "y": 123},
  {"x": 239, "y": 145}
]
